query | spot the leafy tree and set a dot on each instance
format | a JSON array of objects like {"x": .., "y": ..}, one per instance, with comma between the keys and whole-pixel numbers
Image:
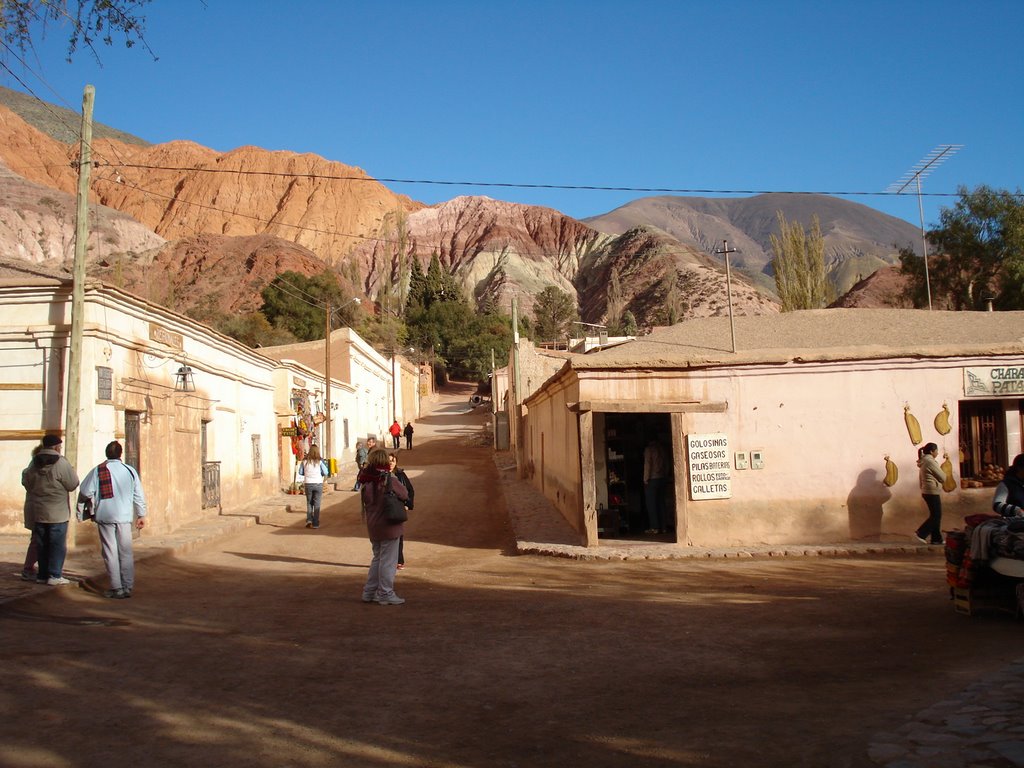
[
  {"x": 254, "y": 330},
  {"x": 629, "y": 326},
  {"x": 90, "y": 22},
  {"x": 297, "y": 304},
  {"x": 553, "y": 313},
  {"x": 417, "y": 286},
  {"x": 979, "y": 253},
  {"x": 799, "y": 264}
]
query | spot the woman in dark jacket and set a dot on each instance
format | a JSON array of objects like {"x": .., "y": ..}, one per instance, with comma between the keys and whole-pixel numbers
[
  {"x": 1008, "y": 500},
  {"x": 404, "y": 480},
  {"x": 375, "y": 480}
]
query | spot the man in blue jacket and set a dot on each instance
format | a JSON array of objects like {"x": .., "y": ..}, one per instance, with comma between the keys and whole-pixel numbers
[{"x": 113, "y": 490}]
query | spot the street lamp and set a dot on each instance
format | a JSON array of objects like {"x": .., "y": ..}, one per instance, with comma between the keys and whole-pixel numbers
[{"x": 328, "y": 315}]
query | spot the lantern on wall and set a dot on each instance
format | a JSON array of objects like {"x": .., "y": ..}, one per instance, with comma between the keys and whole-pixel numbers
[{"x": 183, "y": 380}]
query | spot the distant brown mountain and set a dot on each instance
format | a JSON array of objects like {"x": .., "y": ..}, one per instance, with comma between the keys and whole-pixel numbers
[
  {"x": 881, "y": 289},
  {"x": 858, "y": 239}
]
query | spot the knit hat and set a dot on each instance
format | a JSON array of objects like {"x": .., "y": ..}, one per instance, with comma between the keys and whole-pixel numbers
[{"x": 51, "y": 440}]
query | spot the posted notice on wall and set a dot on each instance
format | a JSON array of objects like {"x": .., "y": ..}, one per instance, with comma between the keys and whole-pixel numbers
[{"x": 710, "y": 469}]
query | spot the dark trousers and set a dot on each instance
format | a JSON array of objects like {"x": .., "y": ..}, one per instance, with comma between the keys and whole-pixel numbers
[
  {"x": 51, "y": 538},
  {"x": 931, "y": 528}
]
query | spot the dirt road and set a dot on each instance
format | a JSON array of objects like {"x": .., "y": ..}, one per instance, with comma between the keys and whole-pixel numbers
[{"x": 257, "y": 651}]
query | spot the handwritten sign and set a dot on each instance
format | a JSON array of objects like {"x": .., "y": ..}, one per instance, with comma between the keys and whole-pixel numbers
[{"x": 710, "y": 469}]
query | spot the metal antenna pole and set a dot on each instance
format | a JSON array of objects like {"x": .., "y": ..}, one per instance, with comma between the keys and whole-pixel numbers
[
  {"x": 726, "y": 250},
  {"x": 926, "y": 165}
]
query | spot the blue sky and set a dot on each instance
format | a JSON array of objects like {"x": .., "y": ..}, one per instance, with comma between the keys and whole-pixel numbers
[{"x": 766, "y": 95}]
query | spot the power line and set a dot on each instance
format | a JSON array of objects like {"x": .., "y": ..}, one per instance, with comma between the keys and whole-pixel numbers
[{"x": 525, "y": 185}]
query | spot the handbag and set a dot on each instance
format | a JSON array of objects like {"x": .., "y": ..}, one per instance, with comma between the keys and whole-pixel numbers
[
  {"x": 84, "y": 509},
  {"x": 394, "y": 507}
]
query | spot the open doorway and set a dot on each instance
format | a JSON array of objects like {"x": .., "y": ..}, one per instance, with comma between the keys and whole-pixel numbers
[{"x": 638, "y": 509}]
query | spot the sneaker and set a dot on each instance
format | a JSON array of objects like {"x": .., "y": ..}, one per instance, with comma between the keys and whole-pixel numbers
[
  {"x": 126, "y": 593},
  {"x": 369, "y": 597},
  {"x": 57, "y": 581},
  {"x": 401, "y": 566},
  {"x": 309, "y": 525},
  {"x": 391, "y": 599},
  {"x": 921, "y": 539},
  {"x": 115, "y": 594},
  {"x": 28, "y": 576},
  {"x": 41, "y": 579}
]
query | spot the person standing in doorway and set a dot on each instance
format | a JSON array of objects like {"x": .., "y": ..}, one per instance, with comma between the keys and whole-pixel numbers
[
  {"x": 654, "y": 486},
  {"x": 313, "y": 470},
  {"x": 376, "y": 481},
  {"x": 396, "y": 434},
  {"x": 47, "y": 481},
  {"x": 114, "y": 490},
  {"x": 408, "y": 435},
  {"x": 930, "y": 478},
  {"x": 404, "y": 480}
]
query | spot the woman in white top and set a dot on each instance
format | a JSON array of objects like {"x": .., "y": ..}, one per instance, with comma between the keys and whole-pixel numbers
[
  {"x": 930, "y": 477},
  {"x": 313, "y": 470}
]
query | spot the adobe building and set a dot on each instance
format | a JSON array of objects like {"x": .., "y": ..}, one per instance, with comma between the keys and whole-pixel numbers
[
  {"x": 193, "y": 408},
  {"x": 785, "y": 439}
]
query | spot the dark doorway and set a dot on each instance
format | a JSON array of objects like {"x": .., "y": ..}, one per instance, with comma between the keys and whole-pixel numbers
[{"x": 627, "y": 435}]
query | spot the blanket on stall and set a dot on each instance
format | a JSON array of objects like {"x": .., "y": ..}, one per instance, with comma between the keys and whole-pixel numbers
[{"x": 984, "y": 537}]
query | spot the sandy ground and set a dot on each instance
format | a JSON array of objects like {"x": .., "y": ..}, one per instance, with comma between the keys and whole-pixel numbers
[{"x": 257, "y": 651}]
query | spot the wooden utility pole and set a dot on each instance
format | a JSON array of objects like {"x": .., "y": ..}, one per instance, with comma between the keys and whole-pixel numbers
[
  {"x": 326, "y": 453},
  {"x": 725, "y": 250},
  {"x": 74, "y": 390}
]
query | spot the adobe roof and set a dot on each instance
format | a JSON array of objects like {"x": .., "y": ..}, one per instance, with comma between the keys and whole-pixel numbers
[{"x": 816, "y": 335}]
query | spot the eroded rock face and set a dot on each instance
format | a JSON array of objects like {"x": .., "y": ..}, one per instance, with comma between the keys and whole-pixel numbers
[
  {"x": 211, "y": 273},
  {"x": 37, "y": 225},
  {"x": 180, "y": 189},
  {"x": 496, "y": 249}
]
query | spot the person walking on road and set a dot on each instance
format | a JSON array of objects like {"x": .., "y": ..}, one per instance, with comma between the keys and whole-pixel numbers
[
  {"x": 47, "y": 481},
  {"x": 113, "y": 491},
  {"x": 408, "y": 435},
  {"x": 396, "y": 433},
  {"x": 384, "y": 535},
  {"x": 930, "y": 478},
  {"x": 404, "y": 480},
  {"x": 313, "y": 470}
]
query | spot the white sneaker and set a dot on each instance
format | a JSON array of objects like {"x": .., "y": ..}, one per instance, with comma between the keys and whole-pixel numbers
[
  {"x": 391, "y": 599},
  {"x": 57, "y": 581},
  {"x": 923, "y": 541}
]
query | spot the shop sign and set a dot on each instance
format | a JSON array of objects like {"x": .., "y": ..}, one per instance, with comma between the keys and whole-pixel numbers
[
  {"x": 710, "y": 468},
  {"x": 1001, "y": 381},
  {"x": 289, "y": 431}
]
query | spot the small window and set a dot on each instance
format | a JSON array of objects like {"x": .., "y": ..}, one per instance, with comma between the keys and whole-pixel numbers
[{"x": 104, "y": 384}]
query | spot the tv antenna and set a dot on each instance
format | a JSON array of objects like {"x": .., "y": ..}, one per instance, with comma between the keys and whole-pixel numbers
[{"x": 924, "y": 166}]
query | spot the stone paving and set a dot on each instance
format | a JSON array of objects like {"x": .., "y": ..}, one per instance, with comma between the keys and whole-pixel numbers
[{"x": 981, "y": 727}]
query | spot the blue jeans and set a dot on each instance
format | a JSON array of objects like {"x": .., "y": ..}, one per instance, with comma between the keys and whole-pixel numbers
[
  {"x": 314, "y": 493},
  {"x": 52, "y": 540}
]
